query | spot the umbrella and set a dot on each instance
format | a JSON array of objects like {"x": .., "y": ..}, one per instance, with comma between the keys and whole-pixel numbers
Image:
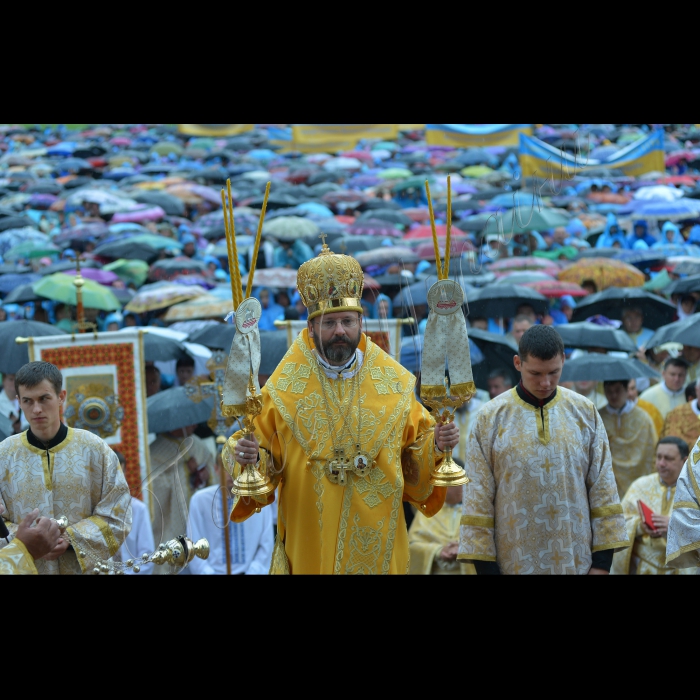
[
  {"x": 67, "y": 265},
  {"x": 21, "y": 294},
  {"x": 524, "y": 276},
  {"x": 590, "y": 335},
  {"x": 218, "y": 336},
  {"x": 10, "y": 282},
  {"x": 555, "y": 288},
  {"x": 603, "y": 272},
  {"x": 31, "y": 249},
  {"x": 394, "y": 173},
  {"x": 81, "y": 233},
  {"x": 416, "y": 294},
  {"x": 160, "y": 348},
  {"x": 152, "y": 298},
  {"x": 172, "y": 409},
  {"x": 6, "y": 428},
  {"x": 181, "y": 265},
  {"x": 374, "y": 227},
  {"x": 273, "y": 277},
  {"x": 167, "y": 202},
  {"x": 601, "y": 368},
  {"x": 126, "y": 249},
  {"x": 273, "y": 347},
  {"x": 350, "y": 245},
  {"x": 686, "y": 332},
  {"x": 519, "y": 263},
  {"x": 131, "y": 271},
  {"x": 203, "y": 306},
  {"x": 614, "y": 300},
  {"x": 344, "y": 197},
  {"x": 503, "y": 300},
  {"x": 101, "y": 276},
  {"x": 291, "y": 228},
  {"x": 391, "y": 215},
  {"x": 60, "y": 287},
  {"x": 387, "y": 255},
  {"x": 498, "y": 352},
  {"x": 426, "y": 232},
  {"x": 684, "y": 208},
  {"x": 426, "y": 251},
  {"x": 15, "y": 355},
  {"x": 154, "y": 241},
  {"x": 165, "y": 148},
  {"x": 393, "y": 280}
]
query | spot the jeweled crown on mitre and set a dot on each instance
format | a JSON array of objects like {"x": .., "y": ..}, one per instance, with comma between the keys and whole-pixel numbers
[{"x": 330, "y": 282}]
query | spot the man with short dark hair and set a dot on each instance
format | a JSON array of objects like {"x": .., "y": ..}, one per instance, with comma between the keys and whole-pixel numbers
[
  {"x": 631, "y": 434},
  {"x": 669, "y": 393},
  {"x": 184, "y": 370},
  {"x": 647, "y": 555},
  {"x": 62, "y": 471},
  {"x": 520, "y": 324},
  {"x": 498, "y": 381},
  {"x": 542, "y": 497}
]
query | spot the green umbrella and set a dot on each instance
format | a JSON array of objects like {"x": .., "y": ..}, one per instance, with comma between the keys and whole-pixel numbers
[
  {"x": 662, "y": 280},
  {"x": 60, "y": 287},
  {"x": 385, "y": 146},
  {"x": 412, "y": 182},
  {"x": 290, "y": 228},
  {"x": 394, "y": 173},
  {"x": 135, "y": 271},
  {"x": 155, "y": 241},
  {"x": 476, "y": 171},
  {"x": 165, "y": 148},
  {"x": 31, "y": 249},
  {"x": 568, "y": 251},
  {"x": 532, "y": 219},
  {"x": 206, "y": 143}
]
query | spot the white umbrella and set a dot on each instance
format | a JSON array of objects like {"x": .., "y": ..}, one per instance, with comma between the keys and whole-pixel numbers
[{"x": 662, "y": 193}]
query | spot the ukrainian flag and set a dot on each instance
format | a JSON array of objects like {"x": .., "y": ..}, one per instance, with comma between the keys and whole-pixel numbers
[
  {"x": 331, "y": 138},
  {"x": 639, "y": 157},
  {"x": 472, "y": 135}
]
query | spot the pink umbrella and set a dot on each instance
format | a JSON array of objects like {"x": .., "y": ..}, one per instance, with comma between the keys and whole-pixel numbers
[
  {"x": 426, "y": 232},
  {"x": 145, "y": 212}
]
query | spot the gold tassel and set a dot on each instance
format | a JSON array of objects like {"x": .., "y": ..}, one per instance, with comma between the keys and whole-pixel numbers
[
  {"x": 464, "y": 389},
  {"x": 432, "y": 391}
]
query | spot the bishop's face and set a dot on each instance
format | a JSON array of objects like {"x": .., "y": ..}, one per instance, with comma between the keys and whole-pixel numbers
[{"x": 336, "y": 335}]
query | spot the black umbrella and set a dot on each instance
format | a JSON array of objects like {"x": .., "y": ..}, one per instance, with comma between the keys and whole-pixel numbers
[
  {"x": 8, "y": 222},
  {"x": 167, "y": 202},
  {"x": 378, "y": 204},
  {"x": 596, "y": 253},
  {"x": 181, "y": 265},
  {"x": 21, "y": 295},
  {"x": 15, "y": 355},
  {"x": 601, "y": 368},
  {"x": 686, "y": 332},
  {"x": 160, "y": 348},
  {"x": 684, "y": 286},
  {"x": 124, "y": 294},
  {"x": 274, "y": 201},
  {"x": 391, "y": 215},
  {"x": 503, "y": 300},
  {"x": 217, "y": 336},
  {"x": 590, "y": 335},
  {"x": 172, "y": 409},
  {"x": 273, "y": 346},
  {"x": 417, "y": 293},
  {"x": 613, "y": 301},
  {"x": 125, "y": 249},
  {"x": 498, "y": 352},
  {"x": 685, "y": 267}
]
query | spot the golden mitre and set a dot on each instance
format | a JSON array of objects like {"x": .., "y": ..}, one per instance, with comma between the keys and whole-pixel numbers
[{"x": 330, "y": 282}]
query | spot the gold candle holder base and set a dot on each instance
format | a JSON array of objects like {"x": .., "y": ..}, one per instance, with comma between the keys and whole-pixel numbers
[{"x": 449, "y": 473}]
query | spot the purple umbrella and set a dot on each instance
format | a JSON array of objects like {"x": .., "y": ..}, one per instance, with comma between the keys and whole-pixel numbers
[
  {"x": 96, "y": 275},
  {"x": 374, "y": 227}
]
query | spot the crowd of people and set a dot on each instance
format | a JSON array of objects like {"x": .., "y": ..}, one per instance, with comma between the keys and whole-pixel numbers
[{"x": 139, "y": 209}]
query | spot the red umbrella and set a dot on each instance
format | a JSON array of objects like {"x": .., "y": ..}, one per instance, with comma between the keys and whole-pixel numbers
[
  {"x": 556, "y": 288},
  {"x": 675, "y": 156},
  {"x": 345, "y": 219},
  {"x": 360, "y": 155},
  {"x": 427, "y": 232}
]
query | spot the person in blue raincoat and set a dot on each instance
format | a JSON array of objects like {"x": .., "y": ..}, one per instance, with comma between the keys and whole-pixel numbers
[
  {"x": 670, "y": 235},
  {"x": 271, "y": 311},
  {"x": 383, "y": 308},
  {"x": 292, "y": 254},
  {"x": 612, "y": 237},
  {"x": 639, "y": 233}
]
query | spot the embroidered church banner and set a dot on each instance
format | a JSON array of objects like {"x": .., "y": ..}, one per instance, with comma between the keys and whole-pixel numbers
[
  {"x": 213, "y": 129},
  {"x": 473, "y": 135},
  {"x": 104, "y": 378}
]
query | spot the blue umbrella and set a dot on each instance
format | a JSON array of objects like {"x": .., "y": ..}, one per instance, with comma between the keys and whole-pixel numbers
[
  {"x": 261, "y": 154},
  {"x": 684, "y": 208},
  {"x": 10, "y": 281}
]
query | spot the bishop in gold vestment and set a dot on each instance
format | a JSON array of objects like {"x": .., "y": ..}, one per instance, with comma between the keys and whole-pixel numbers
[
  {"x": 77, "y": 476},
  {"x": 359, "y": 528},
  {"x": 542, "y": 497}
]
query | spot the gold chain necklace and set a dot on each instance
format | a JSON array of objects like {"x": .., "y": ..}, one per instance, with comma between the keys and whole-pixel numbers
[{"x": 338, "y": 467}]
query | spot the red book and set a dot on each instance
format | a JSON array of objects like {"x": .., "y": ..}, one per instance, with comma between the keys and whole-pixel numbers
[{"x": 646, "y": 514}]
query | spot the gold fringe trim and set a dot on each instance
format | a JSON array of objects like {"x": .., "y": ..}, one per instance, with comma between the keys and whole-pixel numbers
[
  {"x": 477, "y": 521},
  {"x": 233, "y": 410},
  {"x": 464, "y": 389},
  {"x": 432, "y": 391},
  {"x": 604, "y": 511}
]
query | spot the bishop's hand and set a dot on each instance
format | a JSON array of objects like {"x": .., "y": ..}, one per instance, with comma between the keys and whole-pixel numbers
[
  {"x": 247, "y": 450},
  {"x": 446, "y": 435}
]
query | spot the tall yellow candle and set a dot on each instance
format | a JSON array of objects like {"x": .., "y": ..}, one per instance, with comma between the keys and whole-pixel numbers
[{"x": 249, "y": 286}]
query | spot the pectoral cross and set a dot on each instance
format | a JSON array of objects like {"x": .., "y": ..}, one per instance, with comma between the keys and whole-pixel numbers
[{"x": 338, "y": 468}]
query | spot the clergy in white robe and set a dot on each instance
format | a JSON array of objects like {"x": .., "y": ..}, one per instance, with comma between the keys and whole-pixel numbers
[
  {"x": 140, "y": 539},
  {"x": 75, "y": 475},
  {"x": 251, "y": 542},
  {"x": 542, "y": 497},
  {"x": 683, "y": 537},
  {"x": 670, "y": 392}
]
